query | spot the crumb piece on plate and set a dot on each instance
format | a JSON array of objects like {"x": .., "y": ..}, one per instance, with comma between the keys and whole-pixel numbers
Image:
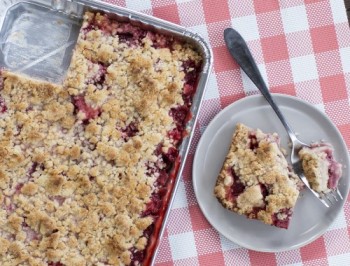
[{"x": 256, "y": 180}]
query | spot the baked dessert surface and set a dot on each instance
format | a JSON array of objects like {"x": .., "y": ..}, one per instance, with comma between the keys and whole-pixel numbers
[
  {"x": 85, "y": 166},
  {"x": 255, "y": 179},
  {"x": 320, "y": 167}
]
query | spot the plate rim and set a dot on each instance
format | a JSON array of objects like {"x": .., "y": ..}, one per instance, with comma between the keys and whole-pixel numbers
[{"x": 346, "y": 161}]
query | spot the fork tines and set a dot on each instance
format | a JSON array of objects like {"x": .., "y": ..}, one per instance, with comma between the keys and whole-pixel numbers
[
  {"x": 331, "y": 197},
  {"x": 328, "y": 199}
]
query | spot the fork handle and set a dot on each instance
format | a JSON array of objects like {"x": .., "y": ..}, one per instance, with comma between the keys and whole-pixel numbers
[{"x": 240, "y": 52}]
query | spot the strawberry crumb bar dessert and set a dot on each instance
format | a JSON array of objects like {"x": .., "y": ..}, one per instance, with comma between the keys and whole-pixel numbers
[
  {"x": 320, "y": 167},
  {"x": 255, "y": 179},
  {"x": 87, "y": 167}
]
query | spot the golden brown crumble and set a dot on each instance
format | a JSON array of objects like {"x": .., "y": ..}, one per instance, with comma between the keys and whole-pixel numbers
[
  {"x": 74, "y": 187},
  {"x": 255, "y": 163}
]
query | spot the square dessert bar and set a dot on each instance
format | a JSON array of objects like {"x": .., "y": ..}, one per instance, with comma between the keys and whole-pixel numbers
[
  {"x": 255, "y": 179},
  {"x": 87, "y": 166},
  {"x": 320, "y": 167}
]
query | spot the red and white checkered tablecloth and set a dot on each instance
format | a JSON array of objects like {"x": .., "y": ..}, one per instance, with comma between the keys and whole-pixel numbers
[{"x": 302, "y": 48}]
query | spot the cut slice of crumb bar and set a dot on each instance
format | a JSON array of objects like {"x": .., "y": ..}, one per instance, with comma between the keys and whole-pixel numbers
[
  {"x": 320, "y": 167},
  {"x": 256, "y": 180}
]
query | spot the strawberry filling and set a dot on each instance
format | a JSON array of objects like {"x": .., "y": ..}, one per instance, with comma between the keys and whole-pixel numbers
[
  {"x": 236, "y": 188},
  {"x": 176, "y": 134},
  {"x": 10, "y": 208},
  {"x": 125, "y": 31},
  {"x": 179, "y": 115},
  {"x": 253, "y": 142},
  {"x": 171, "y": 155},
  {"x": 3, "y": 107},
  {"x": 100, "y": 76},
  {"x": 282, "y": 218},
  {"x": 30, "y": 233},
  {"x": 334, "y": 170},
  {"x": 51, "y": 263},
  {"x": 81, "y": 106},
  {"x": 129, "y": 131},
  {"x": 59, "y": 199}
]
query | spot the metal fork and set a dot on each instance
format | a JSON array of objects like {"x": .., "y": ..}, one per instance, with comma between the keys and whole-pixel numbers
[{"x": 240, "y": 52}]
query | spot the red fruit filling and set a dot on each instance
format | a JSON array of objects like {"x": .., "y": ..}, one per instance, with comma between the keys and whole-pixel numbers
[
  {"x": 163, "y": 43},
  {"x": 334, "y": 170},
  {"x": 153, "y": 207},
  {"x": 1, "y": 80},
  {"x": 158, "y": 150},
  {"x": 129, "y": 131},
  {"x": 162, "y": 175},
  {"x": 253, "y": 144},
  {"x": 10, "y": 208},
  {"x": 18, "y": 188},
  {"x": 170, "y": 156},
  {"x": 30, "y": 233},
  {"x": 333, "y": 177},
  {"x": 105, "y": 25},
  {"x": 162, "y": 178},
  {"x": 55, "y": 264},
  {"x": 3, "y": 107},
  {"x": 282, "y": 223},
  {"x": 179, "y": 115},
  {"x": 59, "y": 199},
  {"x": 187, "y": 96},
  {"x": 160, "y": 41},
  {"x": 125, "y": 37},
  {"x": 189, "y": 65},
  {"x": 127, "y": 33},
  {"x": 176, "y": 133},
  {"x": 189, "y": 90},
  {"x": 256, "y": 210},
  {"x": 100, "y": 76},
  {"x": 236, "y": 188},
  {"x": 82, "y": 106},
  {"x": 137, "y": 256},
  {"x": 130, "y": 34},
  {"x": 34, "y": 168},
  {"x": 264, "y": 190},
  {"x": 191, "y": 70}
]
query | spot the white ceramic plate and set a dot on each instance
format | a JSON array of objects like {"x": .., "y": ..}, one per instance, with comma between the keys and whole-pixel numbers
[{"x": 310, "y": 219}]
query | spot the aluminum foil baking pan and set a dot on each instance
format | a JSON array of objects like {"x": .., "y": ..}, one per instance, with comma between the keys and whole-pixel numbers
[{"x": 38, "y": 36}]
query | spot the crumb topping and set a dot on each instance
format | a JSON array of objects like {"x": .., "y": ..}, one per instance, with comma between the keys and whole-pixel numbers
[
  {"x": 82, "y": 163},
  {"x": 255, "y": 179}
]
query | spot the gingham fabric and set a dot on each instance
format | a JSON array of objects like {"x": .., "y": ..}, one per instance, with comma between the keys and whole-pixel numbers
[{"x": 302, "y": 48}]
